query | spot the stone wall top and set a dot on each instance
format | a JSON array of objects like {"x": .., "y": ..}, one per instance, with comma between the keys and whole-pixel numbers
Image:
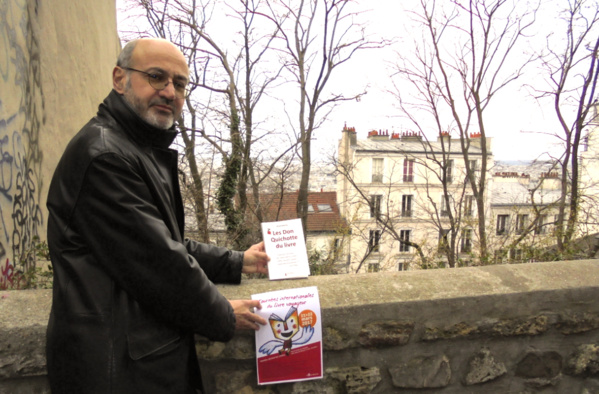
[
  {"x": 31, "y": 307},
  {"x": 337, "y": 291}
]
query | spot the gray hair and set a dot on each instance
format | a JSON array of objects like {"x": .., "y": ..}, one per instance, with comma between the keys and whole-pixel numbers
[{"x": 124, "y": 59}]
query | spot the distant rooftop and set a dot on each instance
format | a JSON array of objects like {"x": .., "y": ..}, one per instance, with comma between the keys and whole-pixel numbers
[
  {"x": 323, "y": 210},
  {"x": 382, "y": 141}
]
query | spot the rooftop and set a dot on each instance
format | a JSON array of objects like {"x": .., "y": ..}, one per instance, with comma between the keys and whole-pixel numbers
[{"x": 323, "y": 212}]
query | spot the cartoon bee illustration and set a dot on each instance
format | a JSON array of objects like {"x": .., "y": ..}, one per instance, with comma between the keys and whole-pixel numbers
[{"x": 285, "y": 331}]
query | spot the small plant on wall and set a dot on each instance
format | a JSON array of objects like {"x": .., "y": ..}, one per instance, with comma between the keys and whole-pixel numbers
[{"x": 23, "y": 274}]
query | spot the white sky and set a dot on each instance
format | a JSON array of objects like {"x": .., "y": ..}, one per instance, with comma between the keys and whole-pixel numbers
[{"x": 517, "y": 123}]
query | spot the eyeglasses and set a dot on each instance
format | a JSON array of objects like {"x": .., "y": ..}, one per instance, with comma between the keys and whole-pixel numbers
[{"x": 160, "y": 81}]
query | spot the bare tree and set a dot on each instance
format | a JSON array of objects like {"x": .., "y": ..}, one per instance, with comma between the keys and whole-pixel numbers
[
  {"x": 464, "y": 60},
  {"x": 318, "y": 37},
  {"x": 232, "y": 89},
  {"x": 572, "y": 71}
]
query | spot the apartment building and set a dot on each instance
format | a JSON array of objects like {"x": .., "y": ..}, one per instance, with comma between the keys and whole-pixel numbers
[
  {"x": 406, "y": 198},
  {"x": 524, "y": 209}
]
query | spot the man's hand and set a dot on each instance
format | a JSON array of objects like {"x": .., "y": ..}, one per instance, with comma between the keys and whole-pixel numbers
[
  {"x": 246, "y": 319},
  {"x": 255, "y": 260}
]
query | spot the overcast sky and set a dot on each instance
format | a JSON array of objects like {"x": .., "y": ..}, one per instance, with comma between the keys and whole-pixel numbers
[{"x": 518, "y": 123}]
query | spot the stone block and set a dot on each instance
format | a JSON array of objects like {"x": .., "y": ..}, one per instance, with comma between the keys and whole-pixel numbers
[
  {"x": 334, "y": 339},
  {"x": 242, "y": 347},
  {"x": 422, "y": 373},
  {"x": 385, "y": 333},
  {"x": 235, "y": 381},
  {"x": 484, "y": 368},
  {"x": 577, "y": 323},
  {"x": 539, "y": 365},
  {"x": 30, "y": 360},
  {"x": 584, "y": 361},
  {"x": 352, "y": 380},
  {"x": 534, "y": 325}
]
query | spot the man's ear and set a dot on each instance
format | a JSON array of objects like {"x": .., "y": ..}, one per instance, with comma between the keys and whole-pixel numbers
[{"x": 119, "y": 80}]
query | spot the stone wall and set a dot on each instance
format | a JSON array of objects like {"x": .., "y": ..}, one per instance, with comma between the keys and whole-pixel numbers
[
  {"x": 56, "y": 58},
  {"x": 500, "y": 329}
]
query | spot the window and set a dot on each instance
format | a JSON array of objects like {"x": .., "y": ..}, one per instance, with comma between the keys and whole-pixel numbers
[
  {"x": 516, "y": 254},
  {"x": 377, "y": 170},
  {"x": 468, "y": 205},
  {"x": 406, "y": 205},
  {"x": 499, "y": 256},
  {"x": 444, "y": 240},
  {"x": 338, "y": 243},
  {"x": 310, "y": 208},
  {"x": 324, "y": 208},
  {"x": 473, "y": 165},
  {"x": 445, "y": 204},
  {"x": 408, "y": 170},
  {"x": 449, "y": 171},
  {"x": 374, "y": 267},
  {"x": 541, "y": 227},
  {"x": 374, "y": 240},
  {"x": 404, "y": 235},
  {"x": 502, "y": 222},
  {"x": 466, "y": 240},
  {"x": 521, "y": 223},
  {"x": 375, "y": 206}
]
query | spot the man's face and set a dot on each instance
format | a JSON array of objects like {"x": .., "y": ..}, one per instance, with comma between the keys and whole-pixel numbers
[{"x": 159, "y": 108}]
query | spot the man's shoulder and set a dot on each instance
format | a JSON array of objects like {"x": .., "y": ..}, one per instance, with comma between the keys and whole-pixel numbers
[{"x": 99, "y": 137}]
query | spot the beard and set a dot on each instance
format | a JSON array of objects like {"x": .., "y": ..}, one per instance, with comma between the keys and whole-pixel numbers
[{"x": 144, "y": 111}]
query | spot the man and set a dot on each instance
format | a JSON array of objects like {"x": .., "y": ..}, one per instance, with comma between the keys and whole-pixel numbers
[{"x": 129, "y": 290}]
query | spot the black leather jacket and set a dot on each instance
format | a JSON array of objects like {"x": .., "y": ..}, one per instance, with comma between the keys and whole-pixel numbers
[{"x": 129, "y": 290}]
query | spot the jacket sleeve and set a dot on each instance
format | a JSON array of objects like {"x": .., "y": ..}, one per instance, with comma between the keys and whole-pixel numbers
[
  {"x": 121, "y": 220},
  {"x": 221, "y": 265}
]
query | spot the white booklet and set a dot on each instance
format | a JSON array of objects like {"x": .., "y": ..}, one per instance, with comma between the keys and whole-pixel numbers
[
  {"x": 285, "y": 245},
  {"x": 289, "y": 348}
]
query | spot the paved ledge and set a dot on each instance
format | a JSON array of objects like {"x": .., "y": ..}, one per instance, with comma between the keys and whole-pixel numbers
[
  {"x": 439, "y": 284},
  {"x": 31, "y": 307}
]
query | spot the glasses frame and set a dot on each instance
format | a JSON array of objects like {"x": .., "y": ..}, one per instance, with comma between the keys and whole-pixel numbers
[{"x": 151, "y": 82}]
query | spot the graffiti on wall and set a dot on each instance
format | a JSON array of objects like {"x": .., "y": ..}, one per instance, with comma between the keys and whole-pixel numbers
[{"x": 21, "y": 120}]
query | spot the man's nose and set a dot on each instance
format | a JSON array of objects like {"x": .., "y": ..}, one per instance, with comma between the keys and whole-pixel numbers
[{"x": 168, "y": 91}]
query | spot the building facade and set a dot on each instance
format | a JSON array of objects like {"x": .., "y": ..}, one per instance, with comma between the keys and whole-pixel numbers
[{"x": 407, "y": 199}]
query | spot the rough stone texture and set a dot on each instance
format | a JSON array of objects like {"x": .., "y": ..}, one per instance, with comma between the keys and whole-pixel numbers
[
  {"x": 422, "y": 372},
  {"x": 489, "y": 328},
  {"x": 515, "y": 311},
  {"x": 584, "y": 361},
  {"x": 234, "y": 381},
  {"x": 354, "y": 380},
  {"x": 484, "y": 368},
  {"x": 577, "y": 323},
  {"x": 539, "y": 383},
  {"x": 30, "y": 362},
  {"x": 545, "y": 365},
  {"x": 385, "y": 334},
  {"x": 240, "y": 348},
  {"x": 336, "y": 339}
]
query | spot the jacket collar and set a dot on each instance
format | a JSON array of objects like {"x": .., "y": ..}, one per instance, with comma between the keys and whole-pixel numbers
[{"x": 133, "y": 125}]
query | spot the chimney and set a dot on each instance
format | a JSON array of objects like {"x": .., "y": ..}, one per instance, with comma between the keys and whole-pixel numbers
[
  {"x": 378, "y": 135},
  {"x": 444, "y": 137},
  {"x": 476, "y": 141},
  {"x": 411, "y": 136},
  {"x": 350, "y": 133}
]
